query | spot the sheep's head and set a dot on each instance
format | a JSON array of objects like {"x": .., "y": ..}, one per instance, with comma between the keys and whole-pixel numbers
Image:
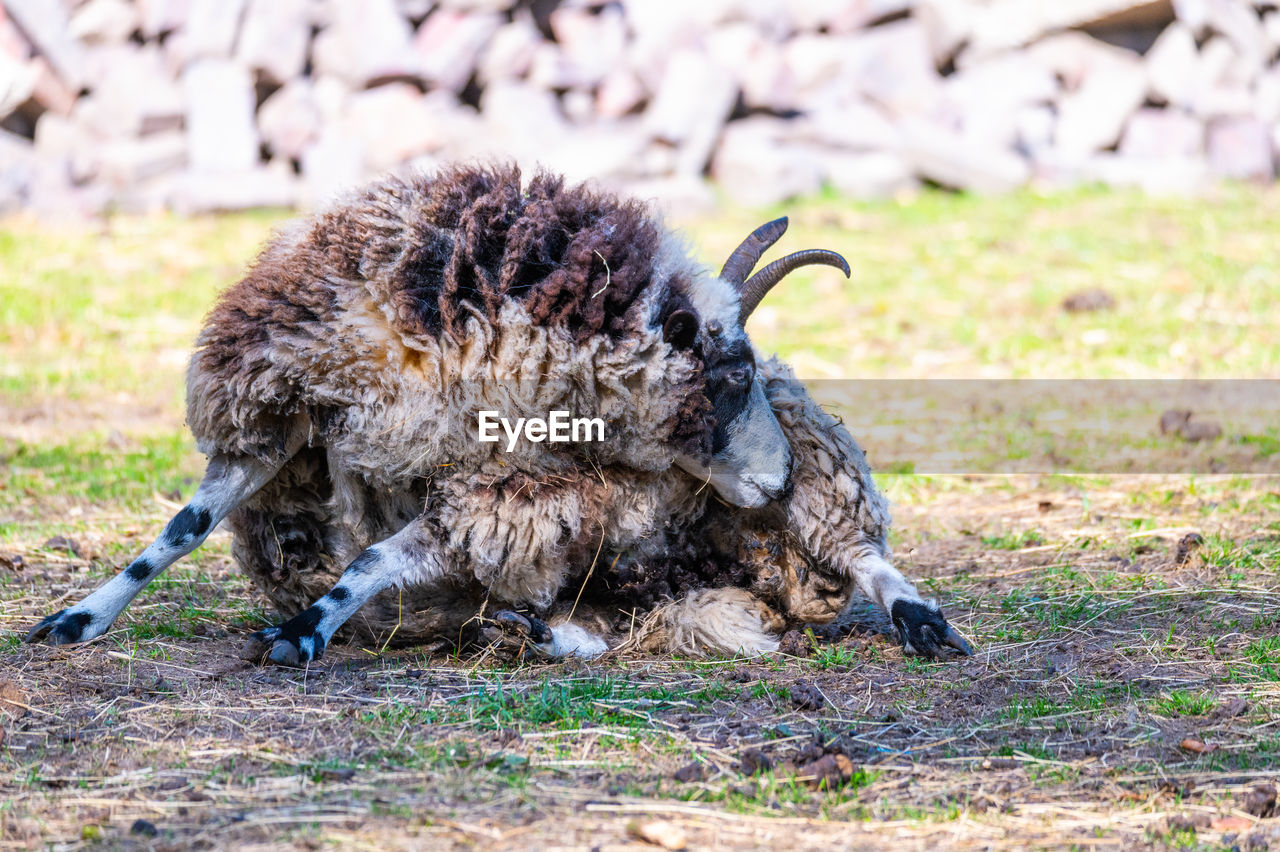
[{"x": 749, "y": 463}]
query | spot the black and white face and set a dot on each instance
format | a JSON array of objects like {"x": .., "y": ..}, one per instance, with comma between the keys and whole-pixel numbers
[{"x": 750, "y": 461}]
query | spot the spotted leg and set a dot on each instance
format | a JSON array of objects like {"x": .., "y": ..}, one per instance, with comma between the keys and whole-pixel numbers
[
  {"x": 409, "y": 557},
  {"x": 918, "y": 624},
  {"x": 552, "y": 640},
  {"x": 227, "y": 483}
]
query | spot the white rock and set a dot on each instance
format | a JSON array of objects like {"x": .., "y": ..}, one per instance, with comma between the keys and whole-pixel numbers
[
  {"x": 211, "y": 28},
  {"x": 893, "y": 65},
  {"x": 589, "y": 43},
  {"x": 1266, "y": 97},
  {"x": 677, "y": 198},
  {"x": 857, "y": 126},
  {"x": 331, "y": 165},
  {"x": 1171, "y": 176},
  {"x": 45, "y": 24},
  {"x": 596, "y": 151},
  {"x": 879, "y": 174},
  {"x": 758, "y": 64},
  {"x": 510, "y": 51},
  {"x": 220, "y": 127},
  {"x": 1240, "y": 148},
  {"x": 1173, "y": 66},
  {"x": 157, "y": 17},
  {"x": 1091, "y": 118},
  {"x": 104, "y": 21},
  {"x": 17, "y": 82},
  {"x": 619, "y": 93},
  {"x": 365, "y": 43},
  {"x": 756, "y": 169},
  {"x": 289, "y": 120},
  {"x": 197, "y": 192},
  {"x": 1160, "y": 134},
  {"x": 449, "y": 46},
  {"x": 1035, "y": 126},
  {"x": 129, "y": 161},
  {"x": 275, "y": 38},
  {"x": 1072, "y": 56},
  {"x": 134, "y": 91},
  {"x": 947, "y": 25},
  {"x": 16, "y": 161},
  {"x": 950, "y": 159},
  {"x": 694, "y": 101},
  {"x": 391, "y": 125},
  {"x": 1011, "y": 23}
]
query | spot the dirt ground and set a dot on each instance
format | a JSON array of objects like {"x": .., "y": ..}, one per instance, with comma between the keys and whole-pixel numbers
[{"x": 1125, "y": 694}]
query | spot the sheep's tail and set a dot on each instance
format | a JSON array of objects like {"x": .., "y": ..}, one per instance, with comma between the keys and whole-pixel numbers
[
  {"x": 280, "y": 536},
  {"x": 710, "y": 621}
]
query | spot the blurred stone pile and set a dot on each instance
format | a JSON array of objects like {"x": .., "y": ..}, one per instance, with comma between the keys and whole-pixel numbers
[{"x": 200, "y": 105}]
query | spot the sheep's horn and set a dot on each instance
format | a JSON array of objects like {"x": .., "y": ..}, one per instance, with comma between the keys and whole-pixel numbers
[
  {"x": 754, "y": 288},
  {"x": 747, "y": 254}
]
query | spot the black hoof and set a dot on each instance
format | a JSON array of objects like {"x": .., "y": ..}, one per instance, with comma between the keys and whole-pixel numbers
[
  {"x": 920, "y": 628},
  {"x": 294, "y": 643},
  {"x": 61, "y": 628}
]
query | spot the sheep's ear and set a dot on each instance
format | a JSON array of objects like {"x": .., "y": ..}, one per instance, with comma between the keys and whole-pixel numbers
[{"x": 680, "y": 329}]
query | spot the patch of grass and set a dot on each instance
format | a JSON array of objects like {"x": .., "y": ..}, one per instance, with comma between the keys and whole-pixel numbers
[
  {"x": 88, "y": 468},
  {"x": 1180, "y": 702},
  {"x": 1014, "y": 541}
]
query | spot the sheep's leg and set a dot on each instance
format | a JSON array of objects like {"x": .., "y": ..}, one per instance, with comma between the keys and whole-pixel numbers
[
  {"x": 228, "y": 481},
  {"x": 918, "y": 624},
  {"x": 842, "y": 520},
  {"x": 554, "y": 640},
  {"x": 410, "y": 556}
]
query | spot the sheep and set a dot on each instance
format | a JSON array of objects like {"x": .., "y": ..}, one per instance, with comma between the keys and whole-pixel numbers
[{"x": 336, "y": 390}]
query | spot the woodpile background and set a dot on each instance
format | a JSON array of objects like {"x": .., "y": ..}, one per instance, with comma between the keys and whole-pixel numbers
[{"x": 202, "y": 105}]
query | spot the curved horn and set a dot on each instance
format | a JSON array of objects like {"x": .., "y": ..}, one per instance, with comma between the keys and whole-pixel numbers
[
  {"x": 747, "y": 254},
  {"x": 755, "y": 287}
]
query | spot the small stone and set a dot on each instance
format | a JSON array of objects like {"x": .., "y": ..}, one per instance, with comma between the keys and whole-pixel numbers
[
  {"x": 666, "y": 835},
  {"x": 1201, "y": 430},
  {"x": 221, "y": 131},
  {"x": 1092, "y": 299},
  {"x": 753, "y": 762},
  {"x": 143, "y": 828},
  {"x": 1172, "y": 421},
  {"x": 1260, "y": 801},
  {"x": 829, "y": 771},
  {"x": 11, "y": 561},
  {"x": 1187, "y": 545},
  {"x": 688, "y": 773},
  {"x": 69, "y": 545},
  {"x": 805, "y": 695}
]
